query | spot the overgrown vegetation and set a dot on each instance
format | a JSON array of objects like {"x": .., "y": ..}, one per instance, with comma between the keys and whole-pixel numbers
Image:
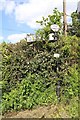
[
  {"x": 75, "y": 27},
  {"x": 45, "y": 24},
  {"x": 30, "y": 76}
]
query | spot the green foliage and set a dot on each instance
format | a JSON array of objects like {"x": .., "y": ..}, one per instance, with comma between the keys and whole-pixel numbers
[
  {"x": 29, "y": 70},
  {"x": 73, "y": 108},
  {"x": 14, "y": 63},
  {"x": 45, "y": 23},
  {"x": 30, "y": 76},
  {"x": 71, "y": 83},
  {"x": 30, "y": 92},
  {"x": 75, "y": 27},
  {"x": 35, "y": 90}
]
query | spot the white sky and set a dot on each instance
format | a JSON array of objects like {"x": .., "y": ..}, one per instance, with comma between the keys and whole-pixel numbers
[
  {"x": 29, "y": 12},
  {"x": 32, "y": 10}
]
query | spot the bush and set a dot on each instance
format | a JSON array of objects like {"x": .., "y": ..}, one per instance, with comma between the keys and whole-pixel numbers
[
  {"x": 36, "y": 90},
  {"x": 30, "y": 76},
  {"x": 71, "y": 83},
  {"x": 30, "y": 92}
]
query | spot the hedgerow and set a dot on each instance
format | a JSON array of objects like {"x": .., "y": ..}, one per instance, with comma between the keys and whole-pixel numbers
[{"x": 29, "y": 74}]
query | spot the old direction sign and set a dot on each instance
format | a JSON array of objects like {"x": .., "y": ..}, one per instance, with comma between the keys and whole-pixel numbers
[
  {"x": 53, "y": 37},
  {"x": 56, "y": 55},
  {"x": 55, "y": 27},
  {"x": 31, "y": 37}
]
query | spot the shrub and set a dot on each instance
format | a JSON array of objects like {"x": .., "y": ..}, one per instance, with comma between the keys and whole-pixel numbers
[
  {"x": 30, "y": 76},
  {"x": 30, "y": 92}
]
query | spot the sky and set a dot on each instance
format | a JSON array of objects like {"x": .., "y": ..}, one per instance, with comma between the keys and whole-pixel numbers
[{"x": 18, "y": 17}]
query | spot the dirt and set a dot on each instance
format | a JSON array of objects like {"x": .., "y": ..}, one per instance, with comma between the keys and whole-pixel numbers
[{"x": 51, "y": 111}]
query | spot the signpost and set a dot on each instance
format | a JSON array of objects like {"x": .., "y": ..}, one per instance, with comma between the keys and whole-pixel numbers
[
  {"x": 31, "y": 37},
  {"x": 55, "y": 27},
  {"x": 56, "y": 55},
  {"x": 54, "y": 36}
]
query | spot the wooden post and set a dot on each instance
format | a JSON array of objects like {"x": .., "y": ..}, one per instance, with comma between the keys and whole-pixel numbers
[{"x": 64, "y": 18}]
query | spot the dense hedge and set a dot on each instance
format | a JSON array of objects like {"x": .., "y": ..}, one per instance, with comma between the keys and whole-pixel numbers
[
  {"x": 30, "y": 92},
  {"x": 30, "y": 75}
]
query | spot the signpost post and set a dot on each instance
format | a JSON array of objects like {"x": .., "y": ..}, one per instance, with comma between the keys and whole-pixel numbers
[
  {"x": 56, "y": 55},
  {"x": 54, "y": 37},
  {"x": 78, "y": 11}
]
